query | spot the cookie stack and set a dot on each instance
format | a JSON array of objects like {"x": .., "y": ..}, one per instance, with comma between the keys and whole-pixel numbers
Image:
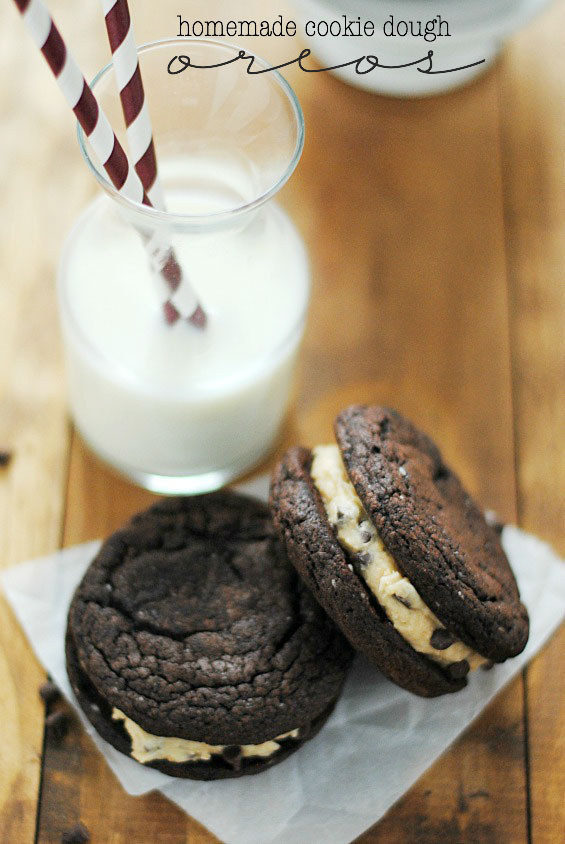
[
  {"x": 397, "y": 552},
  {"x": 194, "y": 647},
  {"x": 210, "y": 640}
]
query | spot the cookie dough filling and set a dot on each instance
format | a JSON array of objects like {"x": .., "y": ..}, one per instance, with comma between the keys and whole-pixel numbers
[
  {"x": 146, "y": 747},
  {"x": 403, "y": 606}
]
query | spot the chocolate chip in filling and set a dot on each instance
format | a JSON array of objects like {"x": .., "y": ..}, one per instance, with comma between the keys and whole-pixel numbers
[
  {"x": 441, "y": 639},
  {"x": 403, "y": 601},
  {"x": 458, "y": 670},
  {"x": 232, "y": 754},
  {"x": 398, "y": 598}
]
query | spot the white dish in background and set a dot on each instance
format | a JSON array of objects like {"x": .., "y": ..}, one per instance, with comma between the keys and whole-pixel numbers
[{"x": 478, "y": 30}]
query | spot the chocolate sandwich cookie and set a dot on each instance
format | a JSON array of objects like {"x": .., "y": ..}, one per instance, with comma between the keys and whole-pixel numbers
[
  {"x": 193, "y": 646},
  {"x": 398, "y": 553}
]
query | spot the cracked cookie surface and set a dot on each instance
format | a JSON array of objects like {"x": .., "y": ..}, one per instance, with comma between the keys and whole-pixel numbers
[
  {"x": 191, "y": 622},
  {"x": 436, "y": 533}
]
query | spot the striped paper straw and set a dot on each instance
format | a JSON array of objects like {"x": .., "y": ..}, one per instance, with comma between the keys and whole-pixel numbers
[
  {"x": 104, "y": 142},
  {"x": 132, "y": 95},
  {"x": 140, "y": 142}
]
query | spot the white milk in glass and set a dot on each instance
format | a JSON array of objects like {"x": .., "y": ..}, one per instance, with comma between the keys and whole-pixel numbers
[{"x": 174, "y": 402}]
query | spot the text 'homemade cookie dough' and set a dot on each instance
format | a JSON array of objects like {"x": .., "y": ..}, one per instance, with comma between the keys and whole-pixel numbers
[
  {"x": 408, "y": 613},
  {"x": 193, "y": 647},
  {"x": 398, "y": 553}
]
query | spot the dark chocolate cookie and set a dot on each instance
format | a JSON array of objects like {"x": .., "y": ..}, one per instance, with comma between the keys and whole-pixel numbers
[
  {"x": 191, "y": 623},
  {"x": 436, "y": 533},
  {"x": 329, "y": 572},
  {"x": 435, "y": 536}
]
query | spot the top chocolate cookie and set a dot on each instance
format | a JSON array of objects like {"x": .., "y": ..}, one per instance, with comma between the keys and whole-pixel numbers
[
  {"x": 397, "y": 552},
  {"x": 436, "y": 533}
]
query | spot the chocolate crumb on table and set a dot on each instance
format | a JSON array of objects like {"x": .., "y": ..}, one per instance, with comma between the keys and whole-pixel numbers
[
  {"x": 5, "y": 458},
  {"x": 49, "y": 693},
  {"x": 78, "y": 834},
  {"x": 57, "y": 725}
]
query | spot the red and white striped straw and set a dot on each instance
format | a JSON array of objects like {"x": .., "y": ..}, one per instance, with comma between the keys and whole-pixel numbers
[
  {"x": 132, "y": 95},
  {"x": 140, "y": 139},
  {"x": 101, "y": 136}
]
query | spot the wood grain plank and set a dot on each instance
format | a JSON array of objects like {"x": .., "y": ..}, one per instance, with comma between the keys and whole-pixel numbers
[
  {"x": 409, "y": 307},
  {"x": 401, "y": 206},
  {"x": 534, "y": 170},
  {"x": 77, "y": 784},
  {"x": 32, "y": 395}
]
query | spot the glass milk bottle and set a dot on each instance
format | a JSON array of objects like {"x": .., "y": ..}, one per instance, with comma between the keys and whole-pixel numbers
[{"x": 176, "y": 408}]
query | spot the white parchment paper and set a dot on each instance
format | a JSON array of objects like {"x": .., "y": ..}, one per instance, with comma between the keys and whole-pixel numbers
[{"x": 378, "y": 741}]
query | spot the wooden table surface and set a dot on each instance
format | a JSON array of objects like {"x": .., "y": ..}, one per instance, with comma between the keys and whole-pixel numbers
[{"x": 437, "y": 236}]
